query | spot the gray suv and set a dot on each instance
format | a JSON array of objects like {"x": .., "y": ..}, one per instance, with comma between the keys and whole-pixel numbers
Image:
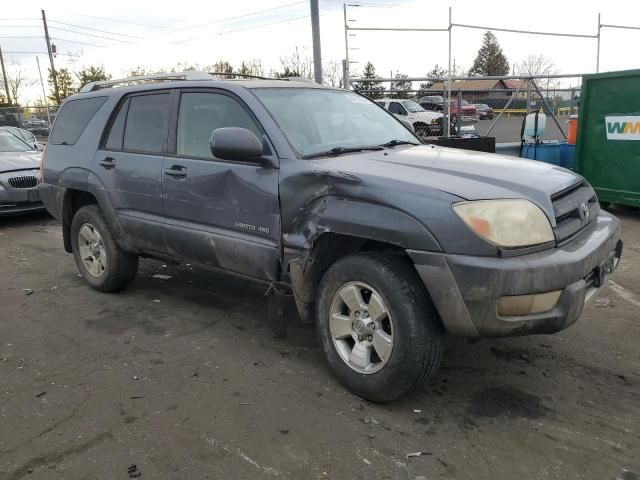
[{"x": 385, "y": 243}]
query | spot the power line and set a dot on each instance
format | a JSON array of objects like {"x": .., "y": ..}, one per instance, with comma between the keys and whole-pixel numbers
[
  {"x": 242, "y": 28},
  {"x": 263, "y": 25},
  {"x": 75, "y": 41},
  {"x": 237, "y": 17},
  {"x": 90, "y": 35},
  {"x": 38, "y": 53},
  {"x": 117, "y": 21},
  {"x": 94, "y": 29}
]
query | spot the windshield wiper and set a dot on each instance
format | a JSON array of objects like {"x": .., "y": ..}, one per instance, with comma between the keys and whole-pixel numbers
[
  {"x": 341, "y": 150},
  {"x": 394, "y": 142}
]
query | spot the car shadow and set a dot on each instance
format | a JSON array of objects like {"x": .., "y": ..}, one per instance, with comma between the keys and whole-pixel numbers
[{"x": 25, "y": 220}]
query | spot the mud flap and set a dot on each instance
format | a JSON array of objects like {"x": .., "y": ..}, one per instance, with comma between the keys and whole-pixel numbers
[{"x": 281, "y": 308}]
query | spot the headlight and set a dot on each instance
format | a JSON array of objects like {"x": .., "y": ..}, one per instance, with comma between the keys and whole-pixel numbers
[{"x": 506, "y": 223}]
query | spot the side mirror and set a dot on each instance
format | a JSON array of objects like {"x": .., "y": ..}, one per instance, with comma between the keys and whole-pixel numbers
[
  {"x": 39, "y": 146},
  {"x": 234, "y": 143}
]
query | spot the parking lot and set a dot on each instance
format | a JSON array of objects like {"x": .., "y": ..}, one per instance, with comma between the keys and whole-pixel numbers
[
  {"x": 507, "y": 129},
  {"x": 183, "y": 378}
]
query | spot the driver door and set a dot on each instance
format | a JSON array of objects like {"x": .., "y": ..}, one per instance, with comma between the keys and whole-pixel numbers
[{"x": 218, "y": 212}]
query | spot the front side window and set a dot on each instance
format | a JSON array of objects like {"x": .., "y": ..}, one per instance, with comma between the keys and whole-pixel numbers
[
  {"x": 412, "y": 106},
  {"x": 395, "y": 107},
  {"x": 316, "y": 120},
  {"x": 200, "y": 114},
  {"x": 145, "y": 125}
]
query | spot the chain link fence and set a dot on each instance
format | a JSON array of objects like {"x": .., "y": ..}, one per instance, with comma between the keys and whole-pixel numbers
[
  {"x": 36, "y": 119},
  {"x": 494, "y": 106}
]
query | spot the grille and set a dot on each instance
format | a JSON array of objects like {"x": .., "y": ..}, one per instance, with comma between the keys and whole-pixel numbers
[
  {"x": 23, "y": 182},
  {"x": 568, "y": 210}
]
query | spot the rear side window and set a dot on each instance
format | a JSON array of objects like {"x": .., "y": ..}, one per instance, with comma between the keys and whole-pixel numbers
[
  {"x": 73, "y": 118},
  {"x": 114, "y": 140},
  {"x": 145, "y": 126}
]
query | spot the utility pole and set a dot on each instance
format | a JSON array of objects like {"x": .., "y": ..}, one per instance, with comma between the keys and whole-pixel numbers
[
  {"x": 54, "y": 75},
  {"x": 315, "y": 32},
  {"x": 598, "y": 51},
  {"x": 345, "y": 63},
  {"x": 4, "y": 75},
  {"x": 448, "y": 96},
  {"x": 44, "y": 95}
]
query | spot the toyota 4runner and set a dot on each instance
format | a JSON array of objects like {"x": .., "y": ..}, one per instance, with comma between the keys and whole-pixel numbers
[{"x": 384, "y": 243}]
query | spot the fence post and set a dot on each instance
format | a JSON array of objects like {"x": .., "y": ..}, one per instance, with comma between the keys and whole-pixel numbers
[
  {"x": 345, "y": 74},
  {"x": 448, "y": 97},
  {"x": 553, "y": 116}
]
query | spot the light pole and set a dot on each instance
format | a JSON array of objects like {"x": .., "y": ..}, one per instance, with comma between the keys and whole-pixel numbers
[{"x": 315, "y": 32}]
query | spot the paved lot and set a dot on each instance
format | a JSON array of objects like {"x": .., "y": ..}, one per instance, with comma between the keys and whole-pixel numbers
[
  {"x": 508, "y": 129},
  {"x": 183, "y": 378}
]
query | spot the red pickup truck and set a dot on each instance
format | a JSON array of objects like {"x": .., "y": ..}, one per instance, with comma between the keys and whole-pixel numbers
[
  {"x": 437, "y": 103},
  {"x": 468, "y": 111}
]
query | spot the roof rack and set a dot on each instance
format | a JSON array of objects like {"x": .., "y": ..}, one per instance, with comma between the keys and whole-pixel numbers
[
  {"x": 159, "y": 77},
  {"x": 178, "y": 76},
  {"x": 242, "y": 75}
]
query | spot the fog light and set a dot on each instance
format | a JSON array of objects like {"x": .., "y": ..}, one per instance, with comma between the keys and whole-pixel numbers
[{"x": 517, "y": 305}]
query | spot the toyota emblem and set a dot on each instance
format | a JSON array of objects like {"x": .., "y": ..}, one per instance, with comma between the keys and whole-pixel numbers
[{"x": 585, "y": 211}]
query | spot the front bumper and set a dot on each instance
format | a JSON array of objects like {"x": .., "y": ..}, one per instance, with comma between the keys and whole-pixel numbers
[
  {"x": 16, "y": 201},
  {"x": 465, "y": 288}
]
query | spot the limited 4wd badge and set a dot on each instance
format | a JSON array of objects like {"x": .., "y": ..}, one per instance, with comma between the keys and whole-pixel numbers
[
  {"x": 252, "y": 228},
  {"x": 623, "y": 127}
]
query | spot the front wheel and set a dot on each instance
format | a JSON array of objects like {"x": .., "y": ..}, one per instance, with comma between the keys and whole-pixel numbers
[{"x": 379, "y": 330}]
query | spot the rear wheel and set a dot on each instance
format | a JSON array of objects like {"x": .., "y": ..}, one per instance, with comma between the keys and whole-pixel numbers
[
  {"x": 100, "y": 260},
  {"x": 377, "y": 326}
]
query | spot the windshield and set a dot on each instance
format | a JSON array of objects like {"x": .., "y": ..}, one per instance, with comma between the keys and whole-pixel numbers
[
  {"x": 462, "y": 102},
  {"x": 316, "y": 120},
  {"x": 10, "y": 143},
  {"x": 412, "y": 106}
]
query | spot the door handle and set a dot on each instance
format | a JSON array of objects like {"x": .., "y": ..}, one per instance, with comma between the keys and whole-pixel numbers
[
  {"x": 176, "y": 171},
  {"x": 108, "y": 162}
]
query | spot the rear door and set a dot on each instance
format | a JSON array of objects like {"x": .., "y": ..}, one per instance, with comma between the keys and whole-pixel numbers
[
  {"x": 218, "y": 212},
  {"x": 129, "y": 164}
]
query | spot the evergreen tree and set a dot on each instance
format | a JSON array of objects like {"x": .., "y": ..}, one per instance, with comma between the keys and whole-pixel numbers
[
  {"x": 92, "y": 74},
  {"x": 66, "y": 85},
  {"x": 437, "y": 72},
  {"x": 400, "y": 86},
  {"x": 490, "y": 60},
  {"x": 370, "y": 89}
]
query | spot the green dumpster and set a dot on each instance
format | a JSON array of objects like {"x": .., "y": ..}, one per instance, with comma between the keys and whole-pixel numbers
[{"x": 608, "y": 144}]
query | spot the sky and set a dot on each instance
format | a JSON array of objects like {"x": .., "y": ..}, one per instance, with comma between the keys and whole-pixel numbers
[{"x": 122, "y": 34}]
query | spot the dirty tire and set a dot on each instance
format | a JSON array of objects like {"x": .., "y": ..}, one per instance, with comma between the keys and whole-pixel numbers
[
  {"x": 121, "y": 267},
  {"x": 417, "y": 330},
  {"x": 421, "y": 130}
]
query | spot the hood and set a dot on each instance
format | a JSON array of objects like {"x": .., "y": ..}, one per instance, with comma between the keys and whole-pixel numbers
[
  {"x": 428, "y": 115},
  {"x": 463, "y": 173},
  {"x": 19, "y": 161}
]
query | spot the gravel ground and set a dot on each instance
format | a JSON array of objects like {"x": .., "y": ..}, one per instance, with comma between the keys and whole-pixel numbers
[{"x": 183, "y": 378}]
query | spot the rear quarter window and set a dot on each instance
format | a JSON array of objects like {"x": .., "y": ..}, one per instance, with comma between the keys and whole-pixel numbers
[{"x": 73, "y": 118}]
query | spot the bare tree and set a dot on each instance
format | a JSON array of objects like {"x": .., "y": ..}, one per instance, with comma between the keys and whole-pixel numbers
[
  {"x": 332, "y": 74},
  {"x": 540, "y": 67},
  {"x": 295, "y": 65},
  {"x": 17, "y": 80},
  {"x": 251, "y": 67}
]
